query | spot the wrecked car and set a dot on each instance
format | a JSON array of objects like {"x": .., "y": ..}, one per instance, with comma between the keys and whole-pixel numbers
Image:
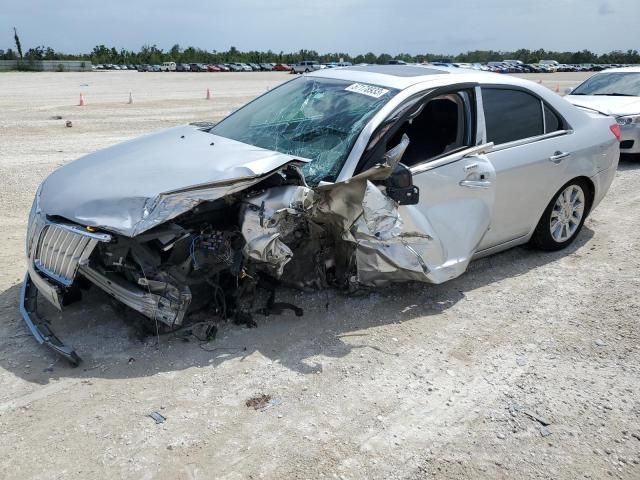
[{"x": 350, "y": 177}]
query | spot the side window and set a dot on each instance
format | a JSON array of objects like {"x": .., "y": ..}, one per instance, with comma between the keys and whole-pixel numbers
[
  {"x": 441, "y": 127},
  {"x": 552, "y": 121},
  {"x": 511, "y": 115}
]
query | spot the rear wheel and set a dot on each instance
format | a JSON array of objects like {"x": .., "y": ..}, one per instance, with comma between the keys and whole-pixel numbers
[{"x": 563, "y": 218}]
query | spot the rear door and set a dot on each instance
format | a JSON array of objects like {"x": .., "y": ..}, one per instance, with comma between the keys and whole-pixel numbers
[{"x": 531, "y": 148}]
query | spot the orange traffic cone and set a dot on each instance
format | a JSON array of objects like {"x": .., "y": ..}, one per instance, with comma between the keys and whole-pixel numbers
[
  {"x": 208, "y": 94},
  {"x": 130, "y": 99},
  {"x": 81, "y": 103}
]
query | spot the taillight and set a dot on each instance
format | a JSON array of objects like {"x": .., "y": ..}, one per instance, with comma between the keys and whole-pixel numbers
[{"x": 615, "y": 129}]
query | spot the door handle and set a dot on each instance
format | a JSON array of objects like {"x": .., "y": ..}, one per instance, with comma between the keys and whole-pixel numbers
[
  {"x": 475, "y": 183},
  {"x": 558, "y": 156}
]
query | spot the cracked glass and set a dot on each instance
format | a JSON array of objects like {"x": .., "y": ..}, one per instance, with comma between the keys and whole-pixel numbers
[{"x": 310, "y": 117}]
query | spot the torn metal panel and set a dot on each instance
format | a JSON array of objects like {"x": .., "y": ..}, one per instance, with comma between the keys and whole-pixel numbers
[
  {"x": 387, "y": 248},
  {"x": 269, "y": 218}
]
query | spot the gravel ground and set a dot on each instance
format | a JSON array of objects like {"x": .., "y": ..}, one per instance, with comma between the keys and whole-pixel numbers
[{"x": 527, "y": 366}]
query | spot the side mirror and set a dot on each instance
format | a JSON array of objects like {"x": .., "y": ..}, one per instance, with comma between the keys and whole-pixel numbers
[
  {"x": 567, "y": 91},
  {"x": 400, "y": 187}
]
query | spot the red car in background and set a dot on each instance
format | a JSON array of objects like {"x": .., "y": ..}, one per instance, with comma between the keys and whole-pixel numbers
[
  {"x": 281, "y": 67},
  {"x": 213, "y": 68}
]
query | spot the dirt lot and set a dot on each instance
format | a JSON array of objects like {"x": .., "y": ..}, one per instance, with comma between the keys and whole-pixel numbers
[{"x": 411, "y": 382}]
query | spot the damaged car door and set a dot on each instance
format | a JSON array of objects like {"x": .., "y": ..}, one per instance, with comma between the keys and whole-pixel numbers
[{"x": 434, "y": 239}]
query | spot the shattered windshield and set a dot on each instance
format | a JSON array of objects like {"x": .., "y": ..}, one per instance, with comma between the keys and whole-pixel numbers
[
  {"x": 314, "y": 118},
  {"x": 613, "y": 84}
]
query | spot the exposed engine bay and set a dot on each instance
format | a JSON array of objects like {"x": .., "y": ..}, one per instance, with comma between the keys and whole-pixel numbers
[{"x": 213, "y": 257}]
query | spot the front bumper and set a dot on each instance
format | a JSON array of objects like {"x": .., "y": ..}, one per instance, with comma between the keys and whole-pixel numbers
[
  {"x": 630, "y": 138},
  {"x": 39, "y": 329},
  {"x": 56, "y": 254},
  {"x": 55, "y": 251}
]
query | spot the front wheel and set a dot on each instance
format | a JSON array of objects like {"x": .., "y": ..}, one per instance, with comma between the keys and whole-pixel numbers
[{"x": 563, "y": 218}]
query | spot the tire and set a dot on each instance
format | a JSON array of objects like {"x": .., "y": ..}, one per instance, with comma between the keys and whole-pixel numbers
[
  {"x": 564, "y": 217},
  {"x": 306, "y": 71}
]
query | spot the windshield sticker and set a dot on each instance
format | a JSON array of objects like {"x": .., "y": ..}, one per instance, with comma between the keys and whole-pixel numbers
[{"x": 369, "y": 90}]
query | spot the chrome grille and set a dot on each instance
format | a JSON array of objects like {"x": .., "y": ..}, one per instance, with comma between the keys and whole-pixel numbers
[{"x": 61, "y": 249}]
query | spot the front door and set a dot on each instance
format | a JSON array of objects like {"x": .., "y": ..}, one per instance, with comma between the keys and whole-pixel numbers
[{"x": 433, "y": 240}]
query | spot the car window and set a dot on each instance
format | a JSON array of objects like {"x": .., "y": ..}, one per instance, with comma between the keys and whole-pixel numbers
[
  {"x": 552, "y": 121},
  {"x": 314, "y": 118},
  {"x": 611, "y": 83},
  {"x": 511, "y": 115},
  {"x": 439, "y": 128}
]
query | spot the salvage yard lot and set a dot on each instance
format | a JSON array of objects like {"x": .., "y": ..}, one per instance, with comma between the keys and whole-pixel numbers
[{"x": 419, "y": 381}]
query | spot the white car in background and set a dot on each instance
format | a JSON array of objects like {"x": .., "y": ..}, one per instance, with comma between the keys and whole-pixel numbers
[
  {"x": 344, "y": 177},
  {"x": 168, "y": 67},
  {"x": 306, "y": 66},
  {"x": 614, "y": 92}
]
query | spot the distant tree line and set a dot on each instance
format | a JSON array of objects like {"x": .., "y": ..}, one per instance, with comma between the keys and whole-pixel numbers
[{"x": 151, "y": 54}]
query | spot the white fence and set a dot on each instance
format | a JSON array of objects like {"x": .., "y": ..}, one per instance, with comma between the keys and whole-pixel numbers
[{"x": 46, "y": 65}]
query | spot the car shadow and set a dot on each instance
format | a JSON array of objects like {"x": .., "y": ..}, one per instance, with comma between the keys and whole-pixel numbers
[
  {"x": 333, "y": 325},
  {"x": 629, "y": 162}
]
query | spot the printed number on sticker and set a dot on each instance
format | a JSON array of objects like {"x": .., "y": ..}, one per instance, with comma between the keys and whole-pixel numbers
[{"x": 369, "y": 90}]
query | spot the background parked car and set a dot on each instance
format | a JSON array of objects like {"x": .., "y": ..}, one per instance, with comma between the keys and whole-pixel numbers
[
  {"x": 614, "y": 92},
  {"x": 305, "y": 66},
  {"x": 213, "y": 68},
  {"x": 281, "y": 67}
]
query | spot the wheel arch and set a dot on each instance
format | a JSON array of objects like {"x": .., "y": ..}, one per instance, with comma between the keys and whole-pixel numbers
[{"x": 592, "y": 190}]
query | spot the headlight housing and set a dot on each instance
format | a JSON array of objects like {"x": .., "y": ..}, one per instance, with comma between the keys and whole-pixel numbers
[{"x": 628, "y": 120}]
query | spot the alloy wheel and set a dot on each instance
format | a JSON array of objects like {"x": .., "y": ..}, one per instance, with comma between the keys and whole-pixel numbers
[{"x": 567, "y": 213}]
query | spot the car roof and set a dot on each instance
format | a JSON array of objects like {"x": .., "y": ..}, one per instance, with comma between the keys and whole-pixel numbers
[
  {"x": 404, "y": 76},
  {"x": 622, "y": 70},
  {"x": 429, "y": 76}
]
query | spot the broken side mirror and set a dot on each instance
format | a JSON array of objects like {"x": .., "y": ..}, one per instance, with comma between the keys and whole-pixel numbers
[{"x": 400, "y": 187}]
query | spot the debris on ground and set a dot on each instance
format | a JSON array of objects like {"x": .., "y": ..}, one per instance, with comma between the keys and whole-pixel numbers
[
  {"x": 69, "y": 124},
  {"x": 536, "y": 417},
  {"x": 258, "y": 402},
  {"x": 545, "y": 432},
  {"x": 157, "y": 417}
]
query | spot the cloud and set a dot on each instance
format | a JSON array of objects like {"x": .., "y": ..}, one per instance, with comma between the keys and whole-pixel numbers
[
  {"x": 352, "y": 26},
  {"x": 606, "y": 9}
]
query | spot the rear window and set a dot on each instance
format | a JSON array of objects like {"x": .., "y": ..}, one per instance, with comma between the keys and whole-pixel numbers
[{"x": 511, "y": 115}]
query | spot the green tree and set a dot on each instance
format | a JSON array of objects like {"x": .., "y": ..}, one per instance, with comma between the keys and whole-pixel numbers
[{"x": 16, "y": 38}]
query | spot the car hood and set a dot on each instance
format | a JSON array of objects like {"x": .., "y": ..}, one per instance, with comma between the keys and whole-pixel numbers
[
  {"x": 615, "y": 106},
  {"x": 133, "y": 186}
]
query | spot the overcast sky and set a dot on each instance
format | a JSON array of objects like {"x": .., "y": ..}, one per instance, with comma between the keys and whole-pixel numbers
[{"x": 352, "y": 26}]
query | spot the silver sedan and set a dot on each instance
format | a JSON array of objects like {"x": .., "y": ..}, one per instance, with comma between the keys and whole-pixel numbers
[{"x": 348, "y": 177}]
